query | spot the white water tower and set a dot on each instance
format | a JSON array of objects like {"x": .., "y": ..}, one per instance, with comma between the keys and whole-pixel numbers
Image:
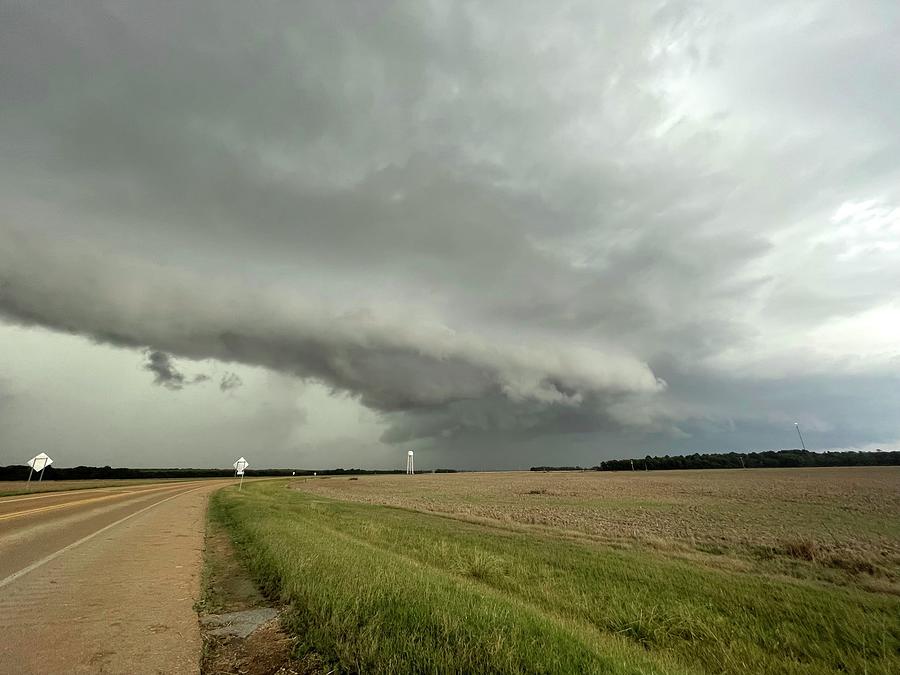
[{"x": 410, "y": 470}]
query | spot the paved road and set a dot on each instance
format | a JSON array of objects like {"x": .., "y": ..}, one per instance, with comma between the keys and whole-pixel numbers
[{"x": 102, "y": 580}]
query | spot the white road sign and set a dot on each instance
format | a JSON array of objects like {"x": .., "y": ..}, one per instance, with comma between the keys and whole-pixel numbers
[
  {"x": 240, "y": 465},
  {"x": 40, "y": 462}
]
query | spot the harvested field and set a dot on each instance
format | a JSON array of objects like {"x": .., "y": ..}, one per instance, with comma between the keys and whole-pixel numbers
[
  {"x": 478, "y": 587},
  {"x": 846, "y": 518}
]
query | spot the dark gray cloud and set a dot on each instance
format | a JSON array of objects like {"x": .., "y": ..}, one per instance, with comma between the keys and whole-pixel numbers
[
  {"x": 230, "y": 381},
  {"x": 166, "y": 374},
  {"x": 490, "y": 222},
  {"x": 392, "y": 364}
]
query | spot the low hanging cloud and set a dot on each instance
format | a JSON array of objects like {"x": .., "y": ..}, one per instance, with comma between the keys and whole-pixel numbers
[
  {"x": 166, "y": 374},
  {"x": 230, "y": 381},
  {"x": 391, "y": 362}
]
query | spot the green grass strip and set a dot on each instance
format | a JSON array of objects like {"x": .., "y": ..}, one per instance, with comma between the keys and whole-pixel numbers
[{"x": 377, "y": 589}]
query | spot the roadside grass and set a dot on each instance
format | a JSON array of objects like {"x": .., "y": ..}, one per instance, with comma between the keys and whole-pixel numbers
[
  {"x": 226, "y": 586},
  {"x": 379, "y": 589}
]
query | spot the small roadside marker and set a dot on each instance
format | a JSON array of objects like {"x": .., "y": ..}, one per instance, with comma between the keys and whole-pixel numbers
[
  {"x": 239, "y": 467},
  {"x": 38, "y": 463}
]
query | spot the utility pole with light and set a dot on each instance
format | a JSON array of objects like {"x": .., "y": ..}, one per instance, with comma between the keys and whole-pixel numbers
[{"x": 797, "y": 426}]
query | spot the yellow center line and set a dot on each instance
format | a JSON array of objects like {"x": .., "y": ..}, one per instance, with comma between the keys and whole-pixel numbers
[
  {"x": 104, "y": 488},
  {"x": 80, "y": 502}
]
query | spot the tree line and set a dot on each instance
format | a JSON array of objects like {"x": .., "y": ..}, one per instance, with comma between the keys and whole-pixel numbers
[{"x": 738, "y": 460}]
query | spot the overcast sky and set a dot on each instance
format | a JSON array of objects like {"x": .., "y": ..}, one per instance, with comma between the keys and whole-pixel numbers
[{"x": 498, "y": 233}]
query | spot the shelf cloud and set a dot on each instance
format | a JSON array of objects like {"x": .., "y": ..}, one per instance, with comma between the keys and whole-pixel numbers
[{"x": 584, "y": 228}]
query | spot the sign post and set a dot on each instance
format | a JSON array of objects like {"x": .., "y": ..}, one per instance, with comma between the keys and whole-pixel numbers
[
  {"x": 239, "y": 467},
  {"x": 38, "y": 463}
]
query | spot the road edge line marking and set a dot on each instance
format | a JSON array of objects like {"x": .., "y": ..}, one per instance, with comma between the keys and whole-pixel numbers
[
  {"x": 81, "y": 502},
  {"x": 53, "y": 556},
  {"x": 11, "y": 499}
]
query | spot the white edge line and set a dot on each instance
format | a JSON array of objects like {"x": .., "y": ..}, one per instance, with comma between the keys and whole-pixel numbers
[{"x": 43, "y": 561}]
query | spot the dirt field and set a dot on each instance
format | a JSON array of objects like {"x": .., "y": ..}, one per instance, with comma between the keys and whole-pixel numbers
[{"x": 845, "y": 516}]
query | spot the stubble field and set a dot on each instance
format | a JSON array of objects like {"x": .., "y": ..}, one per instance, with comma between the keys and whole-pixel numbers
[
  {"x": 787, "y": 571},
  {"x": 841, "y": 518}
]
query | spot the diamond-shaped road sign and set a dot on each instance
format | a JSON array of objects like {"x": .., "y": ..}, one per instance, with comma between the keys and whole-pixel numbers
[
  {"x": 40, "y": 462},
  {"x": 240, "y": 465}
]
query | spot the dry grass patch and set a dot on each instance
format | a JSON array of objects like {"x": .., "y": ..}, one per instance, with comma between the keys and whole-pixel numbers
[{"x": 846, "y": 519}]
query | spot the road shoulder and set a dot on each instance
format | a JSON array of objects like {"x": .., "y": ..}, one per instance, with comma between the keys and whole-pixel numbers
[{"x": 240, "y": 628}]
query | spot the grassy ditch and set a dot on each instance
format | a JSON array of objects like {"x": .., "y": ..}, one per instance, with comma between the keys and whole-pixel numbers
[
  {"x": 377, "y": 589},
  {"x": 226, "y": 587},
  {"x": 225, "y": 584}
]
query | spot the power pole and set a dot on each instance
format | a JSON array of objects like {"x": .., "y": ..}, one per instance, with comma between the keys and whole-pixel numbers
[{"x": 797, "y": 426}]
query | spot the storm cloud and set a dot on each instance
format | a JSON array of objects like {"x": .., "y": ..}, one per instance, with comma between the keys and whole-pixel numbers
[
  {"x": 586, "y": 227},
  {"x": 164, "y": 371},
  {"x": 230, "y": 381},
  {"x": 166, "y": 374},
  {"x": 391, "y": 362}
]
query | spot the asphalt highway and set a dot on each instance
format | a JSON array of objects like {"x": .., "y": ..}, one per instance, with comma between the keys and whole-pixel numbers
[{"x": 102, "y": 580}]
